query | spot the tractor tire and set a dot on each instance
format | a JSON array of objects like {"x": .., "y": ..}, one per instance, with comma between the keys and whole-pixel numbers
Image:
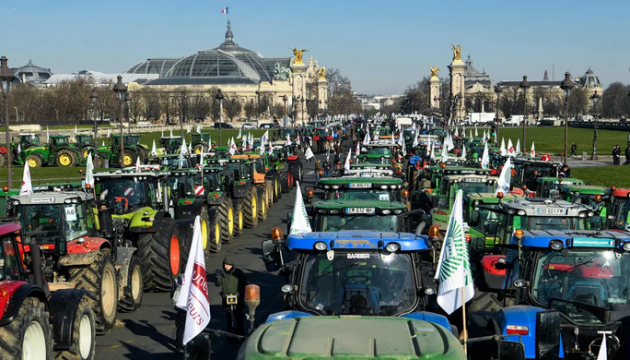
[
  {"x": 99, "y": 279},
  {"x": 129, "y": 157},
  {"x": 263, "y": 205},
  {"x": 160, "y": 256},
  {"x": 214, "y": 235},
  {"x": 284, "y": 182},
  {"x": 485, "y": 301},
  {"x": 269, "y": 190},
  {"x": 225, "y": 212},
  {"x": 132, "y": 293},
  {"x": 65, "y": 158},
  {"x": 35, "y": 160},
  {"x": 239, "y": 221},
  {"x": 277, "y": 189},
  {"x": 83, "y": 346},
  {"x": 296, "y": 172},
  {"x": 143, "y": 154},
  {"x": 85, "y": 151},
  {"x": 198, "y": 149},
  {"x": 250, "y": 211},
  {"x": 28, "y": 336},
  {"x": 3, "y": 160}
]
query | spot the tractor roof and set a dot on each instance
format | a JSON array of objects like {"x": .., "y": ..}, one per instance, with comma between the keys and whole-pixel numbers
[
  {"x": 53, "y": 197},
  {"x": 352, "y": 240},
  {"x": 490, "y": 198},
  {"x": 59, "y": 136},
  {"x": 556, "y": 180},
  {"x": 170, "y": 137},
  {"x": 546, "y": 207},
  {"x": 624, "y": 193},
  {"x": 8, "y": 228},
  {"x": 129, "y": 174},
  {"x": 348, "y": 181},
  {"x": 455, "y": 170},
  {"x": 575, "y": 238},
  {"x": 373, "y": 204},
  {"x": 584, "y": 189}
]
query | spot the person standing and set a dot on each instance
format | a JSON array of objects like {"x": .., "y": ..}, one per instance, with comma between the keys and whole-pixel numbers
[
  {"x": 326, "y": 167},
  {"x": 627, "y": 155},
  {"x": 573, "y": 148},
  {"x": 318, "y": 168},
  {"x": 232, "y": 282},
  {"x": 616, "y": 154}
]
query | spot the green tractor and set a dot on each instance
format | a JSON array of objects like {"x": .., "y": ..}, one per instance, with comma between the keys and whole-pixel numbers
[
  {"x": 84, "y": 145},
  {"x": 550, "y": 186},
  {"x": 131, "y": 151},
  {"x": 58, "y": 152},
  {"x": 141, "y": 205},
  {"x": 171, "y": 144},
  {"x": 199, "y": 142},
  {"x": 278, "y": 164},
  {"x": 219, "y": 201},
  {"x": 15, "y": 152}
]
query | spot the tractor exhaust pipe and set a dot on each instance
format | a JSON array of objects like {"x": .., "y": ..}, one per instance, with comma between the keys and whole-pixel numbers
[{"x": 36, "y": 264}]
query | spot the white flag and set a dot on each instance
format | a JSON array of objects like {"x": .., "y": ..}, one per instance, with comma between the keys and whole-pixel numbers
[
  {"x": 483, "y": 139},
  {"x": 89, "y": 171},
  {"x": 193, "y": 294},
  {"x": 357, "y": 151},
  {"x": 154, "y": 149},
  {"x": 453, "y": 270},
  {"x": 138, "y": 164},
  {"x": 456, "y": 132},
  {"x": 603, "y": 350},
  {"x": 470, "y": 137},
  {"x": 184, "y": 149},
  {"x": 240, "y": 133},
  {"x": 366, "y": 140},
  {"x": 518, "y": 146},
  {"x": 19, "y": 149},
  {"x": 309, "y": 153},
  {"x": 532, "y": 151},
  {"x": 432, "y": 151},
  {"x": 244, "y": 143},
  {"x": 27, "y": 187},
  {"x": 266, "y": 136},
  {"x": 288, "y": 140},
  {"x": 103, "y": 143},
  {"x": 232, "y": 147},
  {"x": 485, "y": 158},
  {"x": 75, "y": 129},
  {"x": 171, "y": 132},
  {"x": 270, "y": 148},
  {"x": 188, "y": 130},
  {"x": 299, "y": 220},
  {"x": 47, "y": 135},
  {"x": 503, "y": 150},
  {"x": 464, "y": 152},
  {"x": 346, "y": 165},
  {"x": 198, "y": 129},
  {"x": 503, "y": 185},
  {"x": 401, "y": 141},
  {"x": 376, "y": 135},
  {"x": 510, "y": 148},
  {"x": 444, "y": 153},
  {"x": 415, "y": 141},
  {"x": 109, "y": 133},
  {"x": 476, "y": 133}
]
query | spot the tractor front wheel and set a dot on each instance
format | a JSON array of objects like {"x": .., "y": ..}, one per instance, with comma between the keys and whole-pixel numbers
[
  {"x": 83, "y": 346},
  {"x": 239, "y": 223},
  {"x": 225, "y": 212},
  {"x": 34, "y": 160},
  {"x": 65, "y": 158},
  {"x": 132, "y": 293},
  {"x": 159, "y": 254},
  {"x": 284, "y": 182},
  {"x": 28, "y": 336},
  {"x": 264, "y": 205},
  {"x": 250, "y": 211}
]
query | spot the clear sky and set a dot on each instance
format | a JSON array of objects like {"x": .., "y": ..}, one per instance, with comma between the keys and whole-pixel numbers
[{"x": 382, "y": 46}]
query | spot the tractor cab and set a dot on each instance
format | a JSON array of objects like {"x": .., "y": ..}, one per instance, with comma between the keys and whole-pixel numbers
[
  {"x": 361, "y": 188},
  {"x": 27, "y": 140},
  {"x": 59, "y": 140},
  {"x": 374, "y": 215},
  {"x": 84, "y": 140},
  {"x": 171, "y": 144},
  {"x": 181, "y": 184},
  {"x": 127, "y": 191},
  {"x": 550, "y": 186},
  {"x": 220, "y": 152},
  {"x": 199, "y": 142},
  {"x": 370, "y": 170},
  {"x": 175, "y": 161},
  {"x": 528, "y": 171}
]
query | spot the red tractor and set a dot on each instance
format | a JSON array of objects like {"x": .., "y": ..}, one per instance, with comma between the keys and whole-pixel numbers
[{"x": 35, "y": 322}]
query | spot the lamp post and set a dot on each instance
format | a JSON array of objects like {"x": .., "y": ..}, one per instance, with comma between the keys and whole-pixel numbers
[
  {"x": 128, "y": 100},
  {"x": 257, "y": 105},
  {"x": 93, "y": 100},
  {"x": 181, "y": 120},
  {"x": 6, "y": 77},
  {"x": 302, "y": 111},
  {"x": 458, "y": 102},
  {"x": 219, "y": 96},
  {"x": 285, "y": 99},
  {"x": 524, "y": 85},
  {"x": 595, "y": 99},
  {"x": 121, "y": 90},
  {"x": 497, "y": 90},
  {"x": 566, "y": 86}
]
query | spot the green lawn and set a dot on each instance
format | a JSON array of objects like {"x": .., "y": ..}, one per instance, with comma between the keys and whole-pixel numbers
[
  {"x": 43, "y": 175},
  {"x": 618, "y": 176}
]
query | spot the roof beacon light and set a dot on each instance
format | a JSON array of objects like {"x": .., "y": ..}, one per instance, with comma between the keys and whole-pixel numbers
[
  {"x": 434, "y": 232},
  {"x": 519, "y": 233},
  {"x": 276, "y": 234},
  {"x": 500, "y": 195},
  {"x": 310, "y": 193}
]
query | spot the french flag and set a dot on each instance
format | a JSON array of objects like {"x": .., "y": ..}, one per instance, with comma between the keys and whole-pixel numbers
[{"x": 224, "y": 11}]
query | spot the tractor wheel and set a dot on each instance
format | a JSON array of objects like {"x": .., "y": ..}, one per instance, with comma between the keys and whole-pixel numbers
[
  {"x": 132, "y": 293},
  {"x": 85, "y": 151},
  {"x": 284, "y": 182},
  {"x": 214, "y": 234},
  {"x": 144, "y": 155},
  {"x": 414, "y": 180},
  {"x": 225, "y": 212},
  {"x": 129, "y": 157},
  {"x": 277, "y": 189},
  {"x": 296, "y": 172},
  {"x": 198, "y": 149},
  {"x": 239, "y": 221},
  {"x": 269, "y": 191},
  {"x": 65, "y": 158},
  {"x": 28, "y": 336},
  {"x": 263, "y": 205},
  {"x": 3, "y": 159},
  {"x": 160, "y": 256},
  {"x": 250, "y": 211},
  {"x": 99, "y": 279},
  {"x": 34, "y": 160},
  {"x": 83, "y": 346}
]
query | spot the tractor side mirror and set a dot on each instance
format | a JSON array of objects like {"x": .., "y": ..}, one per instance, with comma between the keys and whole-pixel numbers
[
  {"x": 548, "y": 335},
  {"x": 271, "y": 255},
  {"x": 475, "y": 218},
  {"x": 237, "y": 175},
  {"x": 61, "y": 247}
]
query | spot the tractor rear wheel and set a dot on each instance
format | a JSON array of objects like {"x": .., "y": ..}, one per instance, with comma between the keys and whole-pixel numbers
[
  {"x": 198, "y": 149},
  {"x": 28, "y": 336},
  {"x": 34, "y": 160},
  {"x": 250, "y": 211},
  {"x": 239, "y": 221},
  {"x": 65, "y": 158},
  {"x": 143, "y": 154},
  {"x": 3, "y": 159},
  {"x": 129, "y": 157},
  {"x": 284, "y": 182},
  {"x": 269, "y": 190},
  {"x": 277, "y": 188},
  {"x": 132, "y": 293},
  {"x": 85, "y": 151},
  {"x": 160, "y": 256},
  {"x": 214, "y": 234},
  {"x": 225, "y": 212},
  {"x": 83, "y": 346},
  {"x": 99, "y": 279},
  {"x": 263, "y": 204}
]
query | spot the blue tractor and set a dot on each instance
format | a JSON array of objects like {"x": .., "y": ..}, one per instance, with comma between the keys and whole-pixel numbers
[{"x": 565, "y": 291}]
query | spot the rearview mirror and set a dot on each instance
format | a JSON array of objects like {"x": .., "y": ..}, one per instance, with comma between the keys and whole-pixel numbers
[
  {"x": 61, "y": 247},
  {"x": 548, "y": 335},
  {"x": 271, "y": 255}
]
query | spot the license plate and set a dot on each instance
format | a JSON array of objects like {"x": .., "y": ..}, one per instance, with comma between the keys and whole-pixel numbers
[
  {"x": 473, "y": 180},
  {"x": 360, "y": 211},
  {"x": 360, "y": 186},
  {"x": 551, "y": 211}
]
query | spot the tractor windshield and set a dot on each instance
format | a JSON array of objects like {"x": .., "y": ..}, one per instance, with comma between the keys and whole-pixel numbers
[
  {"x": 180, "y": 186},
  {"x": 171, "y": 162},
  {"x": 623, "y": 214},
  {"x": 385, "y": 223},
  {"x": 66, "y": 220},
  {"x": 212, "y": 181},
  {"x": 136, "y": 192},
  {"x": 380, "y": 151},
  {"x": 10, "y": 264},
  {"x": 369, "y": 160},
  {"x": 594, "y": 277},
  {"x": 358, "y": 284},
  {"x": 511, "y": 222},
  {"x": 61, "y": 140},
  {"x": 349, "y": 194}
]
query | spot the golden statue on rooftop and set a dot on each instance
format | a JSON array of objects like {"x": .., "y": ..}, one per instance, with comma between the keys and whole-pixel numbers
[
  {"x": 322, "y": 73},
  {"x": 457, "y": 52},
  {"x": 298, "y": 55},
  {"x": 434, "y": 71}
]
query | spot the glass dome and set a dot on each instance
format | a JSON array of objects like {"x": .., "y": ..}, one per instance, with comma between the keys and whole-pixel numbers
[
  {"x": 31, "y": 74},
  {"x": 158, "y": 66},
  {"x": 590, "y": 80},
  {"x": 213, "y": 63}
]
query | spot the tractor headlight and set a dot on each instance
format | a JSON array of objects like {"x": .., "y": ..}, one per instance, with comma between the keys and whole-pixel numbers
[
  {"x": 626, "y": 246},
  {"x": 429, "y": 291},
  {"x": 521, "y": 212},
  {"x": 392, "y": 247},
  {"x": 582, "y": 214},
  {"x": 398, "y": 211},
  {"x": 556, "y": 245},
  {"x": 386, "y": 212},
  {"x": 335, "y": 187},
  {"x": 320, "y": 245}
]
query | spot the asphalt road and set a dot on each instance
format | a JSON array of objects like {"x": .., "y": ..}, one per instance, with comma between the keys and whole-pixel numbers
[{"x": 149, "y": 332}]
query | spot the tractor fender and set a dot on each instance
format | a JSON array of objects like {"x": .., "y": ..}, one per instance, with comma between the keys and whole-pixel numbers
[
  {"x": 63, "y": 306},
  {"x": 123, "y": 258},
  {"x": 524, "y": 315},
  {"x": 83, "y": 253},
  {"x": 430, "y": 317},
  {"x": 241, "y": 190},
  {"x": 187, "y": 212},
  {"x": 18, "y": 291},
  {"x": 215, "y": 200}
]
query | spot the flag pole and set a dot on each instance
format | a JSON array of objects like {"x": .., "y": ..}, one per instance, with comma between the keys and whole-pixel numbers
[{"x": 465, "y": 332}]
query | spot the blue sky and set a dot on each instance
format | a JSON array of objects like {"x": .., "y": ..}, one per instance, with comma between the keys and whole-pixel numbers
[{"x": 382, "y": 46}]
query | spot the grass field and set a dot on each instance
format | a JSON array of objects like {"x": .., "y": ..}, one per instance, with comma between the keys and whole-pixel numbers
[
  {"x": 618, "y": 176},
  {"x": 43, "y": 175}
]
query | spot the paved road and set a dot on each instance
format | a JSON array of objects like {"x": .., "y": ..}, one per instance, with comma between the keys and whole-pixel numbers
[{"x": 149, "y": 332}]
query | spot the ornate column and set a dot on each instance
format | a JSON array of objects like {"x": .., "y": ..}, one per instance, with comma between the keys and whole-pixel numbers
[
  {"x": 456, "y": 70},
  {"x": 322, "y": 90},
  {"x": 299, "y": 85},
  {"x": 434, "y": 88}
]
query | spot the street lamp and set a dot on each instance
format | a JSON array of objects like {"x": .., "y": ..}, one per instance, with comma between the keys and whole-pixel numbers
[
  {"x": 93, "y": 100},
  {"x": 302, "y": 101},
  {"x": 128, "y": 100},
  {"x": 6, "y": 77},
  {"x": 285, "y": 99},
  {"x": 497, "y": 90},
  {"x": 524, "y": 85},
  {"x": 257, "y": 105},
  {"x": 566, "y": 86},
  {"x": 595, "y": 99},
  {"x": 219, "y": 96},
  {"x": 121, "y": 90},
  {"x": 458, "y": 102},
  {"x": 181, "y": 119}
]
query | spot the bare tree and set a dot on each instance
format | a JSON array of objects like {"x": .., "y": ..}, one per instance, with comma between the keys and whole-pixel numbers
[
  {"x": 250, "y": 109},
  {"x": 614, "y": 102},
  {"x": 232, "y": 107}
]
